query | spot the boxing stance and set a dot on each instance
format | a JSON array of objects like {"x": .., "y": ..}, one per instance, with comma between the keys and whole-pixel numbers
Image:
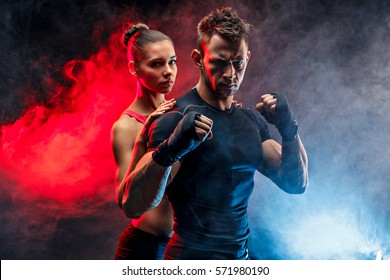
[{"x": 204, "y": 153}]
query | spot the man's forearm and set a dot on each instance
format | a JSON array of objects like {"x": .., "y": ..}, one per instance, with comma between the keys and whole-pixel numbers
[
  {"x": 294, "y": 167},
  {"x": 144, "y": 187}
]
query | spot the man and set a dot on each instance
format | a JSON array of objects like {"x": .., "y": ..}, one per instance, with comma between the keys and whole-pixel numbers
[{"x": 205, "y": 152}]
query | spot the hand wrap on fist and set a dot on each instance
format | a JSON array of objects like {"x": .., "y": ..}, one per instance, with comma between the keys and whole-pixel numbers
[
  {"x": 182, "y": 141},
  {"x": 282, "y": 118}
]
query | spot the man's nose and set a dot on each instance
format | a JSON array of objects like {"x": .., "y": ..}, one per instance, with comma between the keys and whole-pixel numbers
[{"x": 230, "y": 71}]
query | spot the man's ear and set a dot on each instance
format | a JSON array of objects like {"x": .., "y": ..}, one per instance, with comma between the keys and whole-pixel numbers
[
  {"x": 131, "y": 66},
  {"x": 197, "y": 58},
  {"x": 248, "y": 56}
]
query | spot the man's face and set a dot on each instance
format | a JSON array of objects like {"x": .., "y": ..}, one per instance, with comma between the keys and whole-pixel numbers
[{"x": 224, "y": 64}]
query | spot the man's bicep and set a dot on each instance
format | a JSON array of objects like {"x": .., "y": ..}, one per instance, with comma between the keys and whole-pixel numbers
[{"x": 272, "y": 156}]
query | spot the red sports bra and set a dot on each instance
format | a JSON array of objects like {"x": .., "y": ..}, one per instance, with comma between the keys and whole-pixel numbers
[{"x": 135, "y": 115}]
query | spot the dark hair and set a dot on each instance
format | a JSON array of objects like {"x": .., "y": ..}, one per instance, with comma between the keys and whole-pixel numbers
[
  {"x": 226, "y": 23},
  {"x": 137, "y": 36}
]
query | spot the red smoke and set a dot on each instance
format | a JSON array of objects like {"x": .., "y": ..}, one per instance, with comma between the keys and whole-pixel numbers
[{"x": 63, "y": 151}]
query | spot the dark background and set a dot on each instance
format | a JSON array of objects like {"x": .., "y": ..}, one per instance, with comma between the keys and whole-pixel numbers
[{"x": 64, "y": 81}]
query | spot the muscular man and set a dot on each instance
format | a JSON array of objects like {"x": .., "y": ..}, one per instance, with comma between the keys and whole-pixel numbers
[{"x": 205, "y": 152}]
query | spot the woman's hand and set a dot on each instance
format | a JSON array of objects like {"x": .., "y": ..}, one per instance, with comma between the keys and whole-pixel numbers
[{"x": 164, "y": 107}]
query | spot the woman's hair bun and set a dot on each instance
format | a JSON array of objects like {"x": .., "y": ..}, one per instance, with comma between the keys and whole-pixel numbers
[{"x": 131, "y": 31}]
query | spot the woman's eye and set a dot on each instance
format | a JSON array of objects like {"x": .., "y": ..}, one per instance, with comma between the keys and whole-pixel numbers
[{"x": 155, "y": 64}]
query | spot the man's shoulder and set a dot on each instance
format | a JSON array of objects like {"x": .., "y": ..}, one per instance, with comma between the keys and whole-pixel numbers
[
  {"x": 168, "y": 121},
  {"x": 257, "y": 119},
  {"x": 247, "y": 112},
  {"x": 189, "y": 98}
]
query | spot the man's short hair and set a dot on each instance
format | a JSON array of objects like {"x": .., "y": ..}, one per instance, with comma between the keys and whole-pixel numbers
[{"x": 226, "y": 23}]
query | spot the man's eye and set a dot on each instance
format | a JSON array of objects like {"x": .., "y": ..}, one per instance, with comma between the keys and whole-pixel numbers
[{"x": 239, "y": 64}]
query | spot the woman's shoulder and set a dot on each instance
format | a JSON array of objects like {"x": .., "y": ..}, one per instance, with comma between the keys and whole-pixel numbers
[{"x": 126, "y": 126}]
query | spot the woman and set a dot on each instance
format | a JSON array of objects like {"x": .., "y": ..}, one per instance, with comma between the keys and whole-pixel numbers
[{"x": 152, "y": 60}]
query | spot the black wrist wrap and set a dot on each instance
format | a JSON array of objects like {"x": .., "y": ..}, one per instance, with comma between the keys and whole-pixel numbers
[
  {"x": 289, "y": 131},
  {"x": 163, "y": 156}
]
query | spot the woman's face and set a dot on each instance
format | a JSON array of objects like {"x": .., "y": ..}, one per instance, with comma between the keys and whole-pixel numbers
[{"x": 157, "y": 68}]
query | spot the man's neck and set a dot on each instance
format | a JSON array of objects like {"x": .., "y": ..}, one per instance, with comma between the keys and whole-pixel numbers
[{"x": 212, "y": 98}]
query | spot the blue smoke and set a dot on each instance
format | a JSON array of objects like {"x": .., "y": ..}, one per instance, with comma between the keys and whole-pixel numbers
[
  {"x": 336, "y": 73},
  {"x": 331, "y": 59}
]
